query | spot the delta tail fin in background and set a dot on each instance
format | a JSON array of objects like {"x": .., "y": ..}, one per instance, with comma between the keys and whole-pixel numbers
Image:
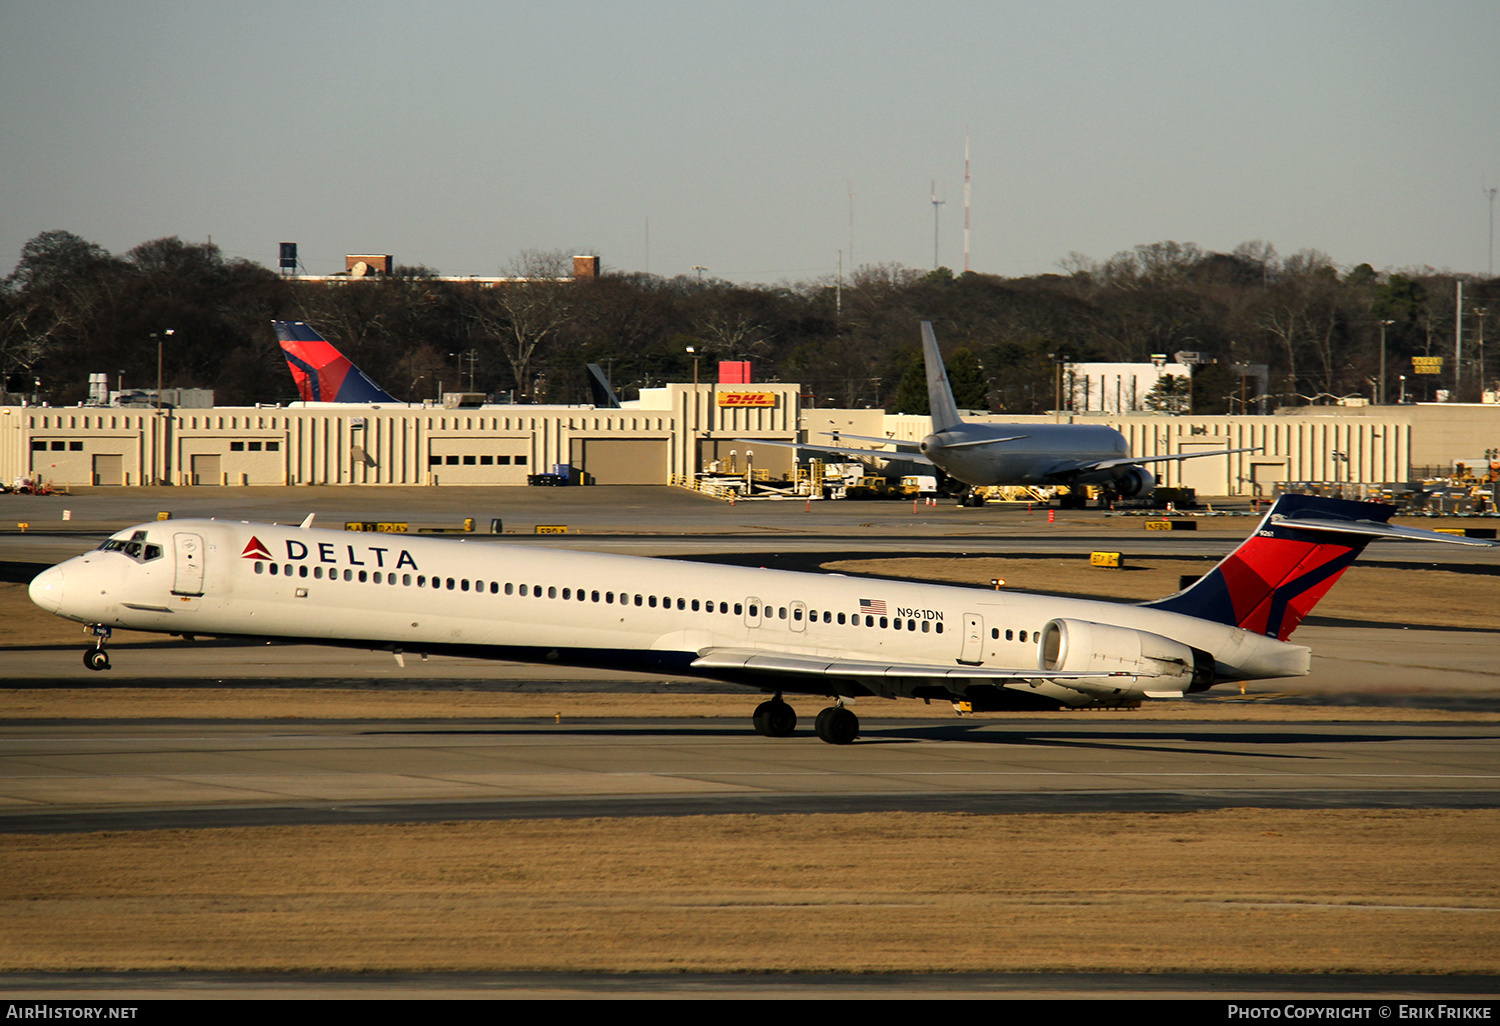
[{"x": 323, "y": 374}]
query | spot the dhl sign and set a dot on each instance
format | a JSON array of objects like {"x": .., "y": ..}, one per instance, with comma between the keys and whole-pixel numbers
[{"x": 747, "y": 398}]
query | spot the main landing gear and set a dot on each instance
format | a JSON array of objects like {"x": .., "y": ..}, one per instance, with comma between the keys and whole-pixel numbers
[
  {"x": 835, "y": 725},
  {"x": 96, "y": 658},
  {"x": 775, "y": 718}
]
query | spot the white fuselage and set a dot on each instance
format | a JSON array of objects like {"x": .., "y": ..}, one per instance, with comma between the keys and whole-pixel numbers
[{"x": 576, "y": 608}]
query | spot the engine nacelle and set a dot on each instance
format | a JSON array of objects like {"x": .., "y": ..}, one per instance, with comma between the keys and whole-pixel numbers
[
  {"x": 1078, "y": 646},
  {"x": 1136, "y": 482}
]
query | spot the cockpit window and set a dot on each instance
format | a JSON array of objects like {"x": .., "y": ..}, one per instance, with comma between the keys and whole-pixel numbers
[{"x": 136, "y": 547}]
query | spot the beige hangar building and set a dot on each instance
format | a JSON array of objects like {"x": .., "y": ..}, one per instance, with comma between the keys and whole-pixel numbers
[{"x": 677, "y": 431}]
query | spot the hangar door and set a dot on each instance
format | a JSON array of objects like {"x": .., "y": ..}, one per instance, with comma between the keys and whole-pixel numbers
[
  {"x": 1207, "y": 475},
  {"x": 620, "y": 460}
]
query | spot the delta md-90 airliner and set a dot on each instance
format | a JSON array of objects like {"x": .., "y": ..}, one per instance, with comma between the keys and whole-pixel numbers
[{"x": 778, "y": 631}]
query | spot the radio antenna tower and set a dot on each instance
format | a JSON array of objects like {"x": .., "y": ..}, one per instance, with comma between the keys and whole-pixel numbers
[
  {"x": 851, "y": 225},
  {"x": 965, "y": 198},
  {"x": 1490, "y": 191},
  {"x": 935, "y": 204}
]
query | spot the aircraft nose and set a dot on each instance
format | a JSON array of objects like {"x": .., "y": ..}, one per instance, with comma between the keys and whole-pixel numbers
[{"x": 47, "y": 589}]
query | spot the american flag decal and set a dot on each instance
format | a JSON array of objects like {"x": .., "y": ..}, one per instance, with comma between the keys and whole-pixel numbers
[{"x": 874, "y": 607}]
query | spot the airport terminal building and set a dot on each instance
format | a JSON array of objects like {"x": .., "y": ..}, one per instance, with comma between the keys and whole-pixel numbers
[{"x": 679, "y": 430}]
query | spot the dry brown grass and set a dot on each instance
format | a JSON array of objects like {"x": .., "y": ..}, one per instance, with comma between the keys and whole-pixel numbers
[{"x": 1242, "y": 890}]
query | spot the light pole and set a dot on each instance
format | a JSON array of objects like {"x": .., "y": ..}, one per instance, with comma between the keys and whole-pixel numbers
[
  {"x": 1339, "y": 456},
  {"x": 160, "y": 338},
  {"x": 161, "y": 444},
  {"x": 1480, "y": 311},
  {"x": 1383, "y": 326},
  {"x": 693, "y": 454}
]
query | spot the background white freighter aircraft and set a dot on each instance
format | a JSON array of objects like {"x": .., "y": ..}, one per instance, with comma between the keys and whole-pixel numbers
[
  {"x": 1015, "y": 454},
  {"x": 776, "y": 630}
]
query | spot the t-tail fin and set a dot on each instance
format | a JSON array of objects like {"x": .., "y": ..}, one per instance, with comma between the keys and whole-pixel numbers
[
  {"x": 939, "y": 392},
  {"x": 323, "y": 374},
  {"x": 1272, "y": 581},
  {"x": 604, "y": 396}
]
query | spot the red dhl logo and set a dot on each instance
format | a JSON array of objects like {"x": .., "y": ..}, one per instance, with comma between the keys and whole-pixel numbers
[{"x": 747, "y": 398}]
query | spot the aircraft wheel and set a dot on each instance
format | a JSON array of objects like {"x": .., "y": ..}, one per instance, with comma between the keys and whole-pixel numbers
[
  {"x": 775, "y": 719},
  {"x": 96, "y": 659},
  {"x": 837, "y": 725}
]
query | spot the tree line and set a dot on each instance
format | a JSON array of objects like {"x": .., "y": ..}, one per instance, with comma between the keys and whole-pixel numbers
[{"x": 71, "y": 307}]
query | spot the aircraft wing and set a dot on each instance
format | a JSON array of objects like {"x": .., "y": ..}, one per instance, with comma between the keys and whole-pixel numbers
[
  {"x": 1130, "y": 461},
  {"x": 782, "y": 664},
  {"x": 884, "y": 454},
  {"x": 901, "y": 444}
]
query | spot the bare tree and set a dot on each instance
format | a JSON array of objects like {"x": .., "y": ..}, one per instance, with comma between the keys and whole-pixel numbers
[{"x": 520, "y": 317}]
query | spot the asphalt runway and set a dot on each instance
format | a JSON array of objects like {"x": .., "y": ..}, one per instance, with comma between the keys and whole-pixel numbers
[{"x": 125, "y": 775}]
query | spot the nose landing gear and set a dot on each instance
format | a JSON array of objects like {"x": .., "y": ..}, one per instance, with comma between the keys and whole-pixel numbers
[{"x": 96, "y": 658}]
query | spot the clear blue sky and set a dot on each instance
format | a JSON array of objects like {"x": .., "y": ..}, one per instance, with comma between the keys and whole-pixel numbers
[{"x": 459, "y": 134}]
